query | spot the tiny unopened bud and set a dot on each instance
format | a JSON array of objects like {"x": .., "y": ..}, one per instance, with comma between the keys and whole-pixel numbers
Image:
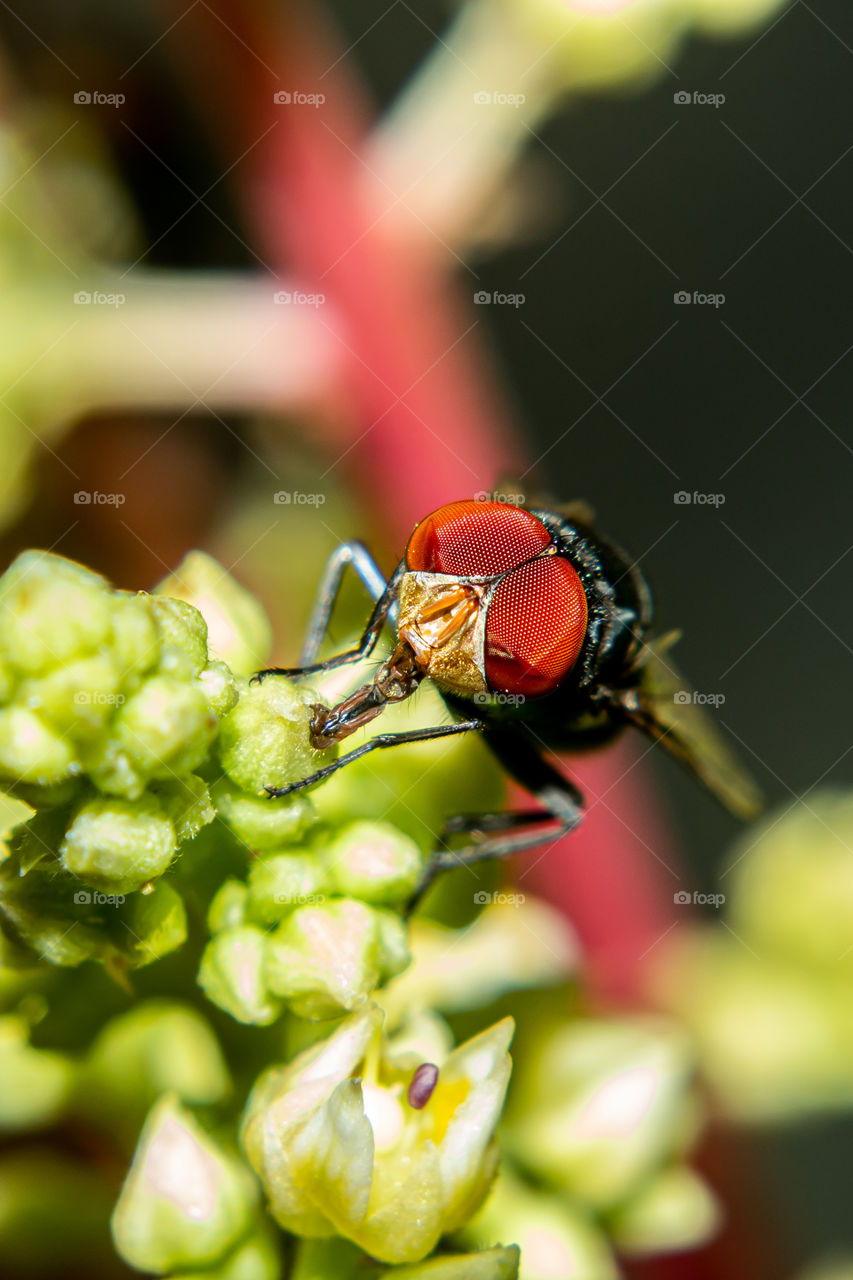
[{"x": 423, "y": 1085}]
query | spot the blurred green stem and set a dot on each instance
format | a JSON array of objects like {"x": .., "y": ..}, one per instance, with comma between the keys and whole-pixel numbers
[
  {"x": 441, "y": 152},
  {"x": 153, "y": 340}
]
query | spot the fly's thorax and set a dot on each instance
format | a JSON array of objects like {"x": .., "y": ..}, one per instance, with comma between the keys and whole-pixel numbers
[{"x": 443, "y": 619}]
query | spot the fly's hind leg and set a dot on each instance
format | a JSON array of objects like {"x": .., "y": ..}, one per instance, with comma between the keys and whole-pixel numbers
[{"x": 500, "y": 835}]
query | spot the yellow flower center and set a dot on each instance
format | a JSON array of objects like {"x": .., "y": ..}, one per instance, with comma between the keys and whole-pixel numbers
[{"x": 442, "y": 1105}]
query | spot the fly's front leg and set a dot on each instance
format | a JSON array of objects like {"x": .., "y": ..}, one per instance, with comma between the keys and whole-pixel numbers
[
  {"x": 380, "y": 741},
  {"x": 385, "y": 608},
  {"x": 353, "y": 554}
]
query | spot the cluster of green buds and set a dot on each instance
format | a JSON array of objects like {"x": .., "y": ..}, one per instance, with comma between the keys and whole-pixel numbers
[
  {"x": 601, "y": 1114},
  {"x": 316, "y": 928},
  {"x": 135, "y": 752},
  {"x": 110, "y": 704},
  {"x": 601, "y": 1118}
]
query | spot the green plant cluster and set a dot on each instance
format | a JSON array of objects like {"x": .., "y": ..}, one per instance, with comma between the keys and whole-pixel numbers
[{"x": 252, "y": 1085}]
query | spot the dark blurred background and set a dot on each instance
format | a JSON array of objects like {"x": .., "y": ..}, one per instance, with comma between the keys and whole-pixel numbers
[{"x": 625, "y": 396}]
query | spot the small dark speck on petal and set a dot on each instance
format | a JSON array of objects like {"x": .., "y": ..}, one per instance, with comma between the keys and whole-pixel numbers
[{"x": 423, "y": 1083}]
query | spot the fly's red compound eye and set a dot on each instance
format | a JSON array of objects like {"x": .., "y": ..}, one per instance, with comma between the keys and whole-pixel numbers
[
  {"x": 535, "y": 628},
  {"x": 474, "y": 539}
]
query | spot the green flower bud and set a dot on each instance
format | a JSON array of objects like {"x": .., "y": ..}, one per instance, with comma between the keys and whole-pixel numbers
[
  {"x": 38, "y": 911},
  {"x": 676, "y": 1210},
  {"x": 598, "y": 1106},
  {"x": 156, "y": 923},
  {"x": 774, "y": 1042},
  {"x": 233, "y": 975},
  {"x": 557, "y": 1240},
  {"x": 119, "y": 844},
  {"x": 111, "y": 769},
  {"x": 219, "y": 688},
  {"x": 30, "y": 751},
  {"x": 59, "y": 795},
  {"x": 34, "y": 1083},
  {"x": 136, "y": 643},
  {"x": 375, "y": 862},
  {"x": 264, "y": 741},
  {"x": 512, "y": 945},
  {"x": 793, "y": 872},
  {"x": 165, "y": 728},
  {"x": 77, "y": 699},
  {"x": 393, "y": 954},
  {"x": 185, "y": 1202},
  {"x": 157, "y": 1047},
  {"x": 51, "y": 611},
  {"x": 326, "y": 959},
  {"x": 180, "y": 628},
  {"x": 64, "y": 923},
  {"x": 260, "y": 824},
  {"x": 36, "y": 839},
  {"x": 229, "y": 906},
  {"x": 13, "y": 813},
  {"x": 239, "y": 631},
  {"x": 339, "y": 1147},
  {"x": 283, "y": 882},
  {"x": 187, "y": 804}
]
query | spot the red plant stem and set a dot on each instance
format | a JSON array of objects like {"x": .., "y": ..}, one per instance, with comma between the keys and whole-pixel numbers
[
  {"x": 428, "y": 427},
  {"x": 425, "y": 413},
  {"x": 428, "y": 423}
]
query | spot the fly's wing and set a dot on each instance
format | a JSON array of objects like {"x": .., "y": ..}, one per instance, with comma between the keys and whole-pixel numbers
[
  {"x": 662, "y": 705},
  {"x": 515, "y": 491}
]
